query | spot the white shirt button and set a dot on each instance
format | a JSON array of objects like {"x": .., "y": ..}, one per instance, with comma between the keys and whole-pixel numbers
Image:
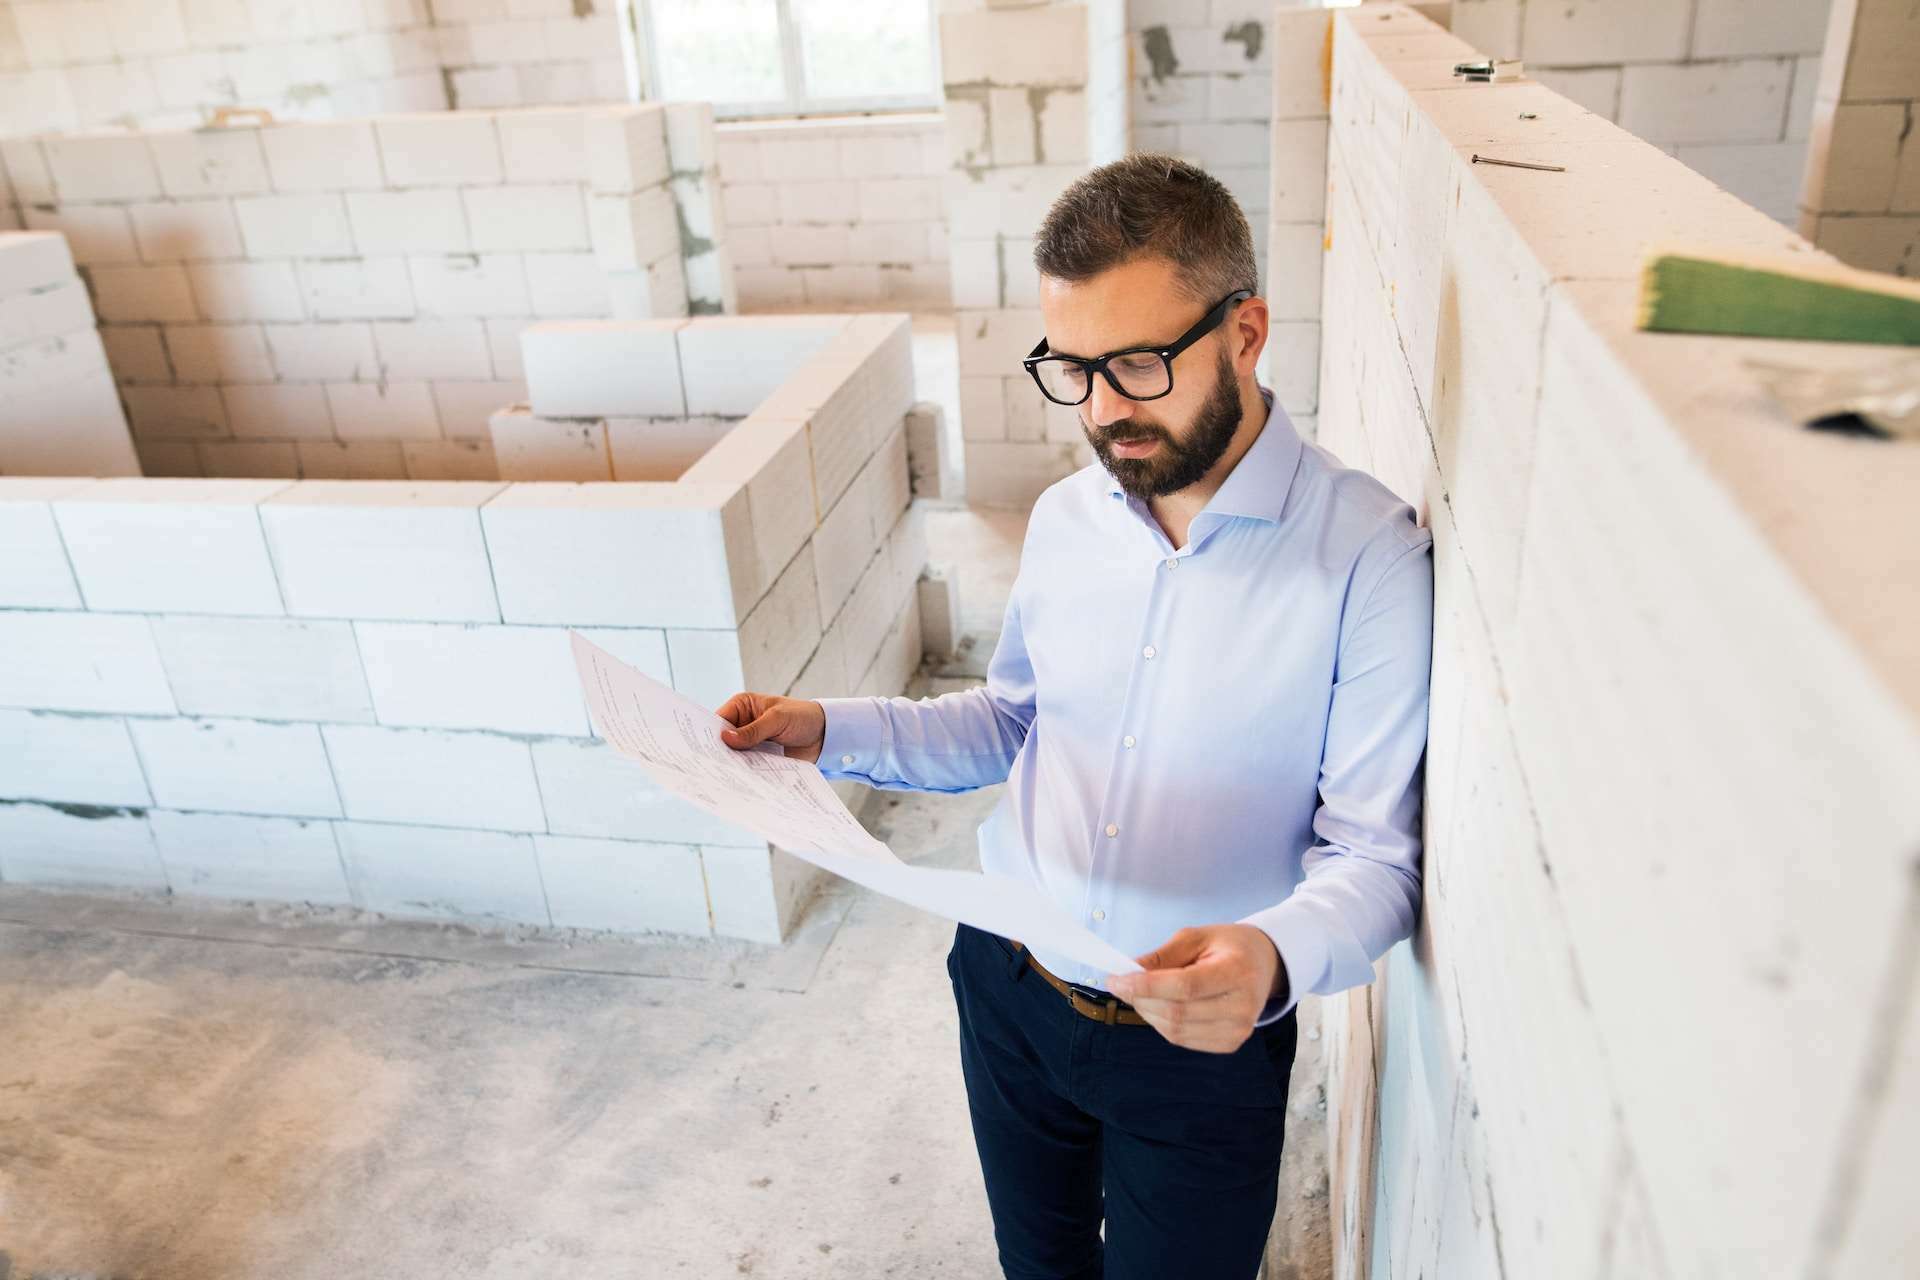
[
  {"x": 1112, "y": 830},
  {"x": 1128, "y": 740},
  {"x": 1172, "y": 563},
  {"x": 1098, "y": 914},
  {"x": 846, "y": 759},
  {"x": 1148, "y": 651}
]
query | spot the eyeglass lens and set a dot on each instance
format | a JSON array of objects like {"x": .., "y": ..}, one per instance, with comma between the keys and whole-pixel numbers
[{"x": 1141, "y": 373}]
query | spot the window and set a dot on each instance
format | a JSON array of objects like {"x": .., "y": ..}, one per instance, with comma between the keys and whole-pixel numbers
[{"x": 791, "y": 57}]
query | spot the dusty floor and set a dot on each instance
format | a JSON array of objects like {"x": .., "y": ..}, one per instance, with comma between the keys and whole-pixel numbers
[
  {"x": 211, "y": 1092},
  {"x": 216, "y": 1092},
  {"x": 202, "y": 1093},
  {"x": 193, "y": 1092}
]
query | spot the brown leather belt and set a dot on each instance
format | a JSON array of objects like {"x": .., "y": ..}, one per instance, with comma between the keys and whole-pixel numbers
[{"x": 1111, "y": 1010}]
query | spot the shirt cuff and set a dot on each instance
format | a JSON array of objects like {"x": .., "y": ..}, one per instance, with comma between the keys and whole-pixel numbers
[
  {"x": 1276, "y": 1009},
  {"x": 1302, "y": 947},
  {"x": 853, "y": 741}
]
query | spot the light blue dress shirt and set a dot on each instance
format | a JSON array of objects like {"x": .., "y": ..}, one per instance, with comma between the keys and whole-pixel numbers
[{"x": 1234, "y": 731}]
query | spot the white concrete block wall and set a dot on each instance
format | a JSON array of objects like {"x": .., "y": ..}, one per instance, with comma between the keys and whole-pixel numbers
[
  {"x": 530, "y": 53},
  {"x": 1295, "y": 222},
  {"x": 706, "y": 254},
  {"x": 359, "y": 692},
  {"x": 836, "y": 213},
  {"x": 58, "y": 411},
  {"x": 1727, "y": 86},
  {"x": 1542, "y": 1075},
  {"x": 172, "y": 63},
  {"x": 1861, "y": 197},
  {"x": 1210, "y": 81},
  {"x": 617, "y": 368},
  {"x": 884, "y": 248},
  {"x": 1031, "y": 102},
  {"x": 345, "y": 298}
]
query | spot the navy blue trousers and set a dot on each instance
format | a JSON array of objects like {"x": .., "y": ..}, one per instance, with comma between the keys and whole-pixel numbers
[{"x": 1075, "y": 1121}]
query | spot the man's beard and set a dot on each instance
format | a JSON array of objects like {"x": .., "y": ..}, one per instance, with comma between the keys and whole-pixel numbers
[{"x": 1176, "y": 463}]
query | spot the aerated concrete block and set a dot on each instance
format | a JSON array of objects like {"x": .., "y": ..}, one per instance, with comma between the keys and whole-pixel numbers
[
  {"x": 34, "y": 571},
  {"x": 603, "y": 368},
  {"x": 262, "y": 859},
  {"x": 443, "y": 873},
  {"x": 731, "y": 364},
  {"x": 434, "y": 778},
  {"x": 264, "y": 668},
  {"x": 527, "y": 447},
  {"x": 87, "y": 760},
  {"x": 506, "y": 679},
  {"x": 628, "y": 885},
  {"x": 591, "y": 790},
  {"x": 185, "y": 546},
  {"x": 564, "y": 554},
  {"x": 237, "y": 766},
  {"x": 78, "y": 845},
  {"x": 770, "y": 459},
  {"x": 413, "y": 551}
]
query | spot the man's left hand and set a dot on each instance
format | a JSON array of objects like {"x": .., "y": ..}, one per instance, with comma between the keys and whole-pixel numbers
[{"x": 1205, "y": 986}]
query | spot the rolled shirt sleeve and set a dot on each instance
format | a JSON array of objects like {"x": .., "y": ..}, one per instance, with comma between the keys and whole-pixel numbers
[{"x": 1361, "y": 888}]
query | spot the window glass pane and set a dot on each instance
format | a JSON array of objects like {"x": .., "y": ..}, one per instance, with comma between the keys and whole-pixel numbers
[
  {"x": 859, "y": 49},
  {"x": 718, "y": 50}
]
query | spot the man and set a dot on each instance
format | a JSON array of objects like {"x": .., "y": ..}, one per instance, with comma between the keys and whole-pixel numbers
[{"x": 1209, "y": 704}]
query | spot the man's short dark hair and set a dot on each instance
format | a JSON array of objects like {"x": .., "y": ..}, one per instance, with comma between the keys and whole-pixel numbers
[{"x": 1150, "y": 204}]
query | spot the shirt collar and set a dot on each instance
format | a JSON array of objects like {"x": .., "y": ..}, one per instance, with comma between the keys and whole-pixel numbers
[{"x": 1258, "y": 484}]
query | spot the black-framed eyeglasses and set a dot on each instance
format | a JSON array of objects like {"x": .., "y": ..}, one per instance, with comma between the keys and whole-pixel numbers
[{"x": 1138, "y": 373}]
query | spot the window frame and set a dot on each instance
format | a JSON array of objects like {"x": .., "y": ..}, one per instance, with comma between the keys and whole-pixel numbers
[{"x": 797, "y": 104}]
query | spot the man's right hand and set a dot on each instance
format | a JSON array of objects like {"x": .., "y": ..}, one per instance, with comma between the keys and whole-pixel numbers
[{"x": 799, "y": 725}]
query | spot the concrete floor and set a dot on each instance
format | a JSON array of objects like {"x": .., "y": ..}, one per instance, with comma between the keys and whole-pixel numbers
[
  {"x": 205, "y": 1092},
  {"x": 193, "y": 1091}
]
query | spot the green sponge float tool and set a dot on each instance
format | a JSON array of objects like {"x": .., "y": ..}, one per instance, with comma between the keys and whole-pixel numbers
[{"x": 1776, "y": 296}]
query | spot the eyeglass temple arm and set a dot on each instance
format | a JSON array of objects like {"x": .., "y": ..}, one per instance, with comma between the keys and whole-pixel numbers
[{"x": 1200, "y": 330}]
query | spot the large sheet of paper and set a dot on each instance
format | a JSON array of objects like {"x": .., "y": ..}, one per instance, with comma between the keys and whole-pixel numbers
[{"x": 676, "y": 741}]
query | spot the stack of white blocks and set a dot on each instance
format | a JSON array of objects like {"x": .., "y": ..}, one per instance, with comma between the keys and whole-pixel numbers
[
  {"x": 1669, "y": 817},
  {"x": 839, "y": 212},
  {"x": 1727, "y": 86},
  {"x": 1296, "y": 210},
  {"x": 167, "y": 64},
  {"x": 345, "y": 299},
  {"x": 1861, "y": 197},
  {"x": 641, "y": 400},
  {"x": 1204, "y": 82},
  {"x": 705, "y": 256},
  {"x": 1034, "y": 96},
  {"x": 59, "y": 412},
  {"x": 808, "y": 413},
  {"x": 361, "y": 693}
]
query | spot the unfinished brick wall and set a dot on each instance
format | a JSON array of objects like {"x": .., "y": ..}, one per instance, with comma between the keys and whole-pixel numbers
[
  {"x": 830, "y": 213},
  {"x": 1861, "y": 200},
  {"x": 1202, "y": 85},
  {"x": 1658, "y": 1017},
  {"x": 344, "y": 299},
  {"x": 837, "y": 213},
  {"x": 1725, "y": 85},
  {"x": 360, "y": 692},
  {"x": 1034, "y": 95},
  {"x": 1239, "y": 89},
  {"x": 67, "y": 65},
  {"x": 59, "y": 413}
]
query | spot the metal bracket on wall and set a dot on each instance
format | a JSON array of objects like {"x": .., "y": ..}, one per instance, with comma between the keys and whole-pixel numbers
[{"x": 1488, "y": 69}]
